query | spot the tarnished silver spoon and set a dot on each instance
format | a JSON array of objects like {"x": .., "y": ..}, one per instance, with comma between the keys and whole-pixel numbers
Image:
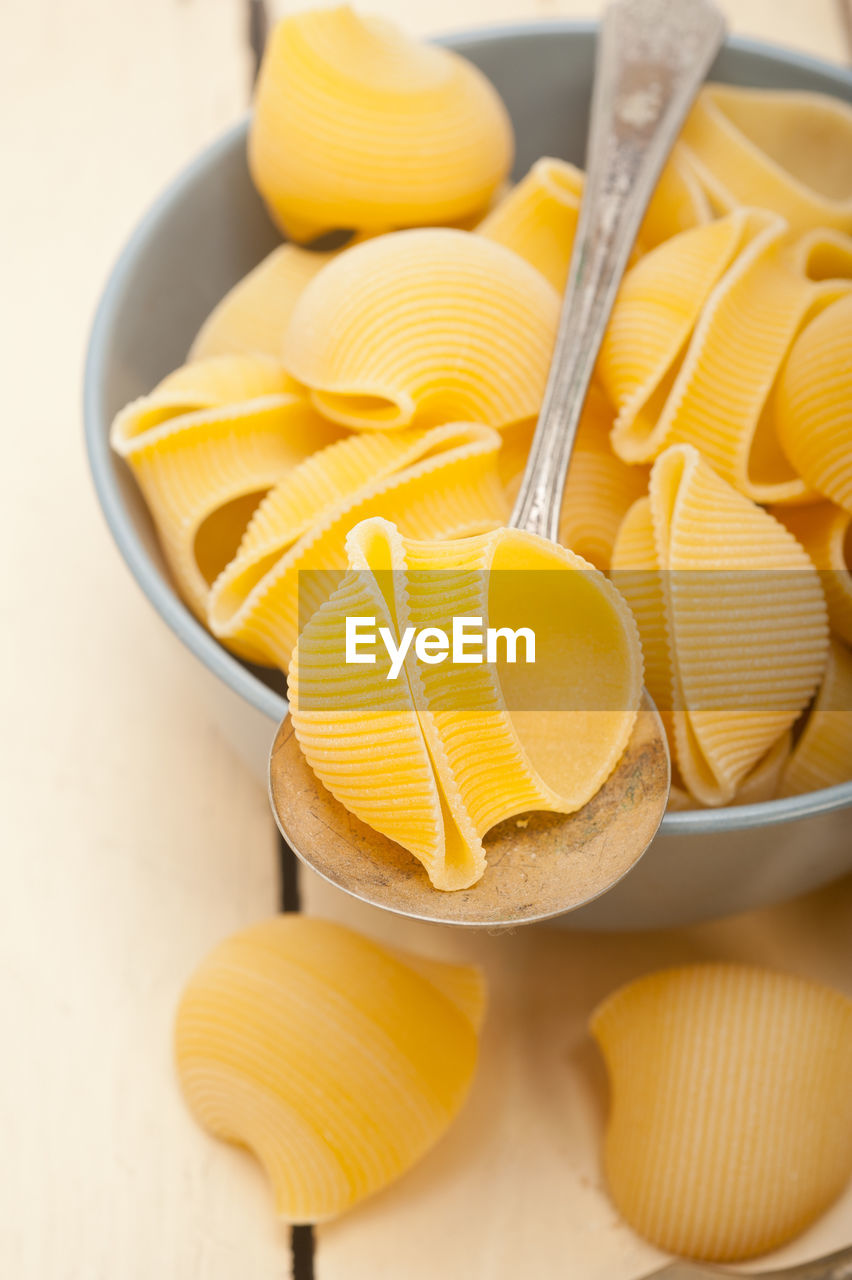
[{"x": 652, "y": 57}]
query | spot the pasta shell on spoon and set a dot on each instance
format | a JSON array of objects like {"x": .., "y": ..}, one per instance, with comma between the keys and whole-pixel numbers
[
  {"x": 441, "y": 482},
  {"x": 492, "y": 739}
]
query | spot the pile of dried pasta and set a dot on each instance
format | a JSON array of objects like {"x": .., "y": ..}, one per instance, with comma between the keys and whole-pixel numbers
[{"x": 400, "y": 378}]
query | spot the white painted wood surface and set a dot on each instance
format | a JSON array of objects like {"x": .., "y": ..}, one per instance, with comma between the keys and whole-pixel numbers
[{"x": 133, "y": 838}]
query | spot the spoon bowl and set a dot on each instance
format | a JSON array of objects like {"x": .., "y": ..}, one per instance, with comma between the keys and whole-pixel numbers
[{"x": 540, "y": 865}]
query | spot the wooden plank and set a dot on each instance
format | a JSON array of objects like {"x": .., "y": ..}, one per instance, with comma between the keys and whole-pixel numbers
[
  {"x": 134, "y": 838},
  {"x": 811, "y": 26},
  {"x": 515, "y": 1188}
]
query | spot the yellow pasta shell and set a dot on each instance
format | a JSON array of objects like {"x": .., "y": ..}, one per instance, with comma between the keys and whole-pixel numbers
[
  {"x": 825, "y": 531},
  {"x": 336, "y": 1061},
  {"x": 423, "y": 327},
  {"x": 814, "y": 403},
  {"x": 774, "y": 149},
  {"x": 678, "y": 202},
  {"x": 701, "y": 329},
  {"x": 761, "y": 784},
  {"x": 356, "y": 125},
  {"x": 436, "y": 759},
  {"x": 823, "y": 754},
  {"x": 204, "y": 447},
  {"x": 437, "y": 483},
  {"x": 730, "y": 1126},
  {"x": 253, "y": 316},
  {"x": 732, "y": 618},
  {"x": 538, "y": 218}
]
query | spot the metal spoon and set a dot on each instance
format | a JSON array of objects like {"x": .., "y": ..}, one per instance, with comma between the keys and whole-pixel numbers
[{"x": 652, "y": 57}]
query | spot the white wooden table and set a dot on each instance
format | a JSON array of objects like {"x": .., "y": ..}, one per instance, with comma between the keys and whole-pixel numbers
[{"x": 133, "y": 837}]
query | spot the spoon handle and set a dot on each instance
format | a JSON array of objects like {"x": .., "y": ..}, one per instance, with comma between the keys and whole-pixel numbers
[{"x": 652, "y": 57}]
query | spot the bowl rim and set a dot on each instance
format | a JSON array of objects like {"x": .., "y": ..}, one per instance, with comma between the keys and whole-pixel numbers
[{"x": 157, "y": 587}]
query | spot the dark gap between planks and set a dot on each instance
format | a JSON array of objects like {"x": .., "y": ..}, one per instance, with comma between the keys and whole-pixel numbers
[{"x": 301, "y": 1237}]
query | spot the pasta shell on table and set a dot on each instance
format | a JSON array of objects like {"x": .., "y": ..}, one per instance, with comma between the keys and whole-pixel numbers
[
  {"x": 732, "y": 618},
  {"x": 204, "y": 447},
  {"x": 494, "y": 739},
  {"x": 774, "y": 149},
  {"x": 422, "y": 327},
  {"x": 825, "y": 531},
  {"x": 435, "y": 483},
  {"x": 823, "y": 754},
  {"x": 356, "y": 125},
  {"x": 700, "y": 332},
  {"x": 814, "y": 403},
  {"x": 338, "y": 1062},
  {"x": 730, "y": 1125},
  {"x": 599, "y": 490}
]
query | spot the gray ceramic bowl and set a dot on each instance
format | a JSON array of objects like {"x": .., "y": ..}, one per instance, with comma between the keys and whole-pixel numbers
[{"x": 206, "y": 231}]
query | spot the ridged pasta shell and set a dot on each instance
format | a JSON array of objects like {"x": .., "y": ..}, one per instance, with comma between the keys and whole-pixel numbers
[
  {"x": 825, "y": 531},
  {"x": 761, "y": 784},
  {"x": 814, "y": 403},
  {"x": 336, "y": 1061},
  {"x": 437, "y": 483},
  {"x": 730, "y": 1126},
  {"x": 538, "y": 218},
  {"x": 732, "y": 619},
  {"x": 823, "y": 754},
  {"x": 700, "y": 332},
  {"x": 435, "y": 758},
  {"x": 423, "y": 327},
  {"x": 204, "y": 447},
  {"x": 253, "y": 316},
  {"x": 774, "y": 149},
  {"x": 357, "y": 126},
  {"x": 678, "y": 203}
]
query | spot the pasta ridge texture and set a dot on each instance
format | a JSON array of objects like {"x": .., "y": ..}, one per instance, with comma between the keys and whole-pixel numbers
[
  {"x": 814, "y": 403},
  {"x": 822, "y": 756},
  {"x": 203, "y": 463},
  {"x": 437, "y": 483},
  {"x": 485, "y": 760},
  {"x": 422, "y": 327},
  {"x": 741, "y": 655},
  {"x": 825, "y": 531},
  {"x": 336, "y": 1061},
  {"x": 357, "y": 126},
  {"x": 253, "y": 316},
  {"x": 774, "y": 149},
  {"x": 730, "y": 1126},
  {"x": 700, "y": 332}
]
